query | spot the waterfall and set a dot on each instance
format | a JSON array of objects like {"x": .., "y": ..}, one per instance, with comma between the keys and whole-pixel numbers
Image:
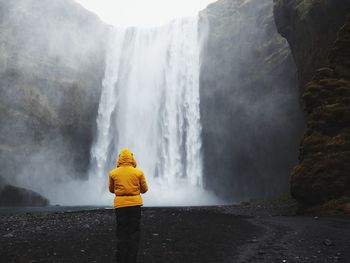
[{"x": 150, "y": 104}]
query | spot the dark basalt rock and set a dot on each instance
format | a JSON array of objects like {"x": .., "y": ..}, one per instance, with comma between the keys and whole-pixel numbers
[
  {"x": 324, "y": 169},
  {"x": 311, "y": 28},
  {"x": 319, "y": 36},
  {"x": 16, "y": 196}
]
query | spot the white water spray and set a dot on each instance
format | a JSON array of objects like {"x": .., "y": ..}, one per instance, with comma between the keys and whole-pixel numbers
[{"x": 150, "y": 103}]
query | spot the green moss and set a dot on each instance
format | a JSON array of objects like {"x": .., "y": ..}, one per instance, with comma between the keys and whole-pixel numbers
[
  {"x": 315, "y": 138},
  {"x": 306, "y": 6},
  {"x": 312, "y": 86},
  {"x": 340, "y": 205}
]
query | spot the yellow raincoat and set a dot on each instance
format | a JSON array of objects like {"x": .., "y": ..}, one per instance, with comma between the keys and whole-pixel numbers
[{"x": 126, "y": 181}]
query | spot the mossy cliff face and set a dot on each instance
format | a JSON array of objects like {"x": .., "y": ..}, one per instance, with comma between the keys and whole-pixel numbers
[
  {"x": 249, "y": 105},
  {"x": 311, "y": 27},
  {"x": 51, "y": 70},
  {"x": 319, "y": 35}
]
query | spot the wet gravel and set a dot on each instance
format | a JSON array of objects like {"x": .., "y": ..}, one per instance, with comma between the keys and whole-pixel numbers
[
  {"x": 244, "y": 233},
  {"x": 289, "y": 238}
]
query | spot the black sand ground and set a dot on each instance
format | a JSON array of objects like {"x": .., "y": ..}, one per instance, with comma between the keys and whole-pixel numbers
[{"x": 213, "y": 234}]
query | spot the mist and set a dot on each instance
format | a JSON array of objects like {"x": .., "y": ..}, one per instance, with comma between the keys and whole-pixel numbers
[
  {"x": 150, "y": 103},
  {"x": 138, "y": 13},
  {"x": 209, "y": 107},
  {"x": 72, "y": 59},
  {"x": 49, "y": 97},
  {"x": 174, "y": 131},
  {"x": 250, "y": 110}
]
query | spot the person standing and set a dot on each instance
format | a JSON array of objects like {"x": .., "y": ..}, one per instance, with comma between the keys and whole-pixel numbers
[{"x": 127, "y": 183}]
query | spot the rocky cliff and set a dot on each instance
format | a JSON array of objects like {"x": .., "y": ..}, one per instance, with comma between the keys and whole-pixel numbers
[
  {"x": 51, "y": 67},
  {"x": 249, "y": 104},
  {"x": 319, "y": 35}
]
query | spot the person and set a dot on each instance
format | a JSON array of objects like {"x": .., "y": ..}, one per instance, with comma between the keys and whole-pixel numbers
[{"x": 127, "y": 183}]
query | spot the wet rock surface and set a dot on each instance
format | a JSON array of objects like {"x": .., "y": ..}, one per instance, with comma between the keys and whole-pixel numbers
[
  {"x": 318, "y": 33},
  {"x": 311, "y": 28},
  {"x": 207, "y": 234},
  {"x": 15, "y": 196},
  {"x": 323, "y": 172}
]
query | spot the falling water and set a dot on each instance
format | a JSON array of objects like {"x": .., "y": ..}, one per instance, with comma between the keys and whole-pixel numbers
[{"x": 150, "y": 103}]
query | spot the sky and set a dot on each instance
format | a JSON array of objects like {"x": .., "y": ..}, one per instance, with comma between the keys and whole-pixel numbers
[{"x": 143, "y": 12}]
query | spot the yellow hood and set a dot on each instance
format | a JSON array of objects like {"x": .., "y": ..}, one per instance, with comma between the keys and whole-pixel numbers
[{"x": 126, "y": 158}]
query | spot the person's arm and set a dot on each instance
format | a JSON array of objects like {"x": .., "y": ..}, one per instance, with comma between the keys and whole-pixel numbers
[
  {"x": 143, "y": 183},
  {"x": 111, "y": 184}
]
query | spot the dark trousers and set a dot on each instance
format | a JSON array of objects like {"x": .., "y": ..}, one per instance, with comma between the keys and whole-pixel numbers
[{"x": 128, "y": 233}]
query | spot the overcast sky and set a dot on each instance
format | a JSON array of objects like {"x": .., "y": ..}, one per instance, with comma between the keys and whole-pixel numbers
[{"x": 143, "y": 12}]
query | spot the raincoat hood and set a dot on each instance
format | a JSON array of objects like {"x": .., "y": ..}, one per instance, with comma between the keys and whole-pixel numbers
[{"x": 126, "y": 158}]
